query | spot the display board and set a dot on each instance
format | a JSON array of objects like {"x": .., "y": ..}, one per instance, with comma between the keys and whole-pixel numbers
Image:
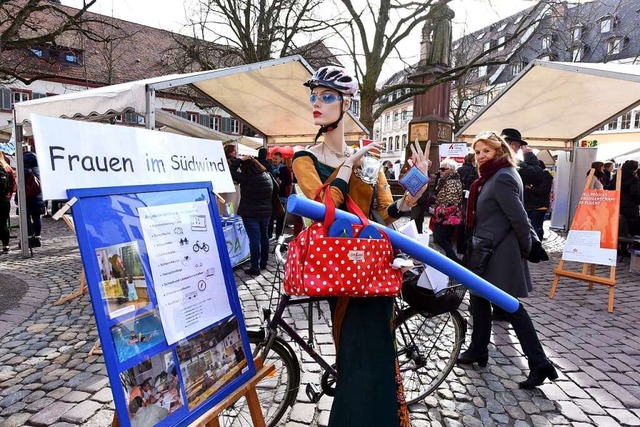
[{"x": 164, "y": 298}]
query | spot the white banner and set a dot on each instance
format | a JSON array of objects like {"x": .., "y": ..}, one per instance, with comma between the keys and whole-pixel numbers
[
  {"x": 75, "y": 154},
  {"x": 454, "y": 151}
]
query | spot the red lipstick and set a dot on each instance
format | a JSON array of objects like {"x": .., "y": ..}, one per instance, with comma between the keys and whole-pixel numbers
[{"x": 317, "y": 113}]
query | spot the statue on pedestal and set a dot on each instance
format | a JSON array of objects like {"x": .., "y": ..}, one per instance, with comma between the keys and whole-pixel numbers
[{"x": 437, "y": 34}]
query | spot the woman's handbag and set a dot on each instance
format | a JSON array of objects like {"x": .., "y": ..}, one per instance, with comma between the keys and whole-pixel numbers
[
  {"x": 320, "y": 266},
  {"x": 276, "y": 205},
  {"x": 478, "y": 253}
]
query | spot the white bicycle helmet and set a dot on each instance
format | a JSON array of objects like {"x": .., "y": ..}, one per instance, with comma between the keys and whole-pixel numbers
[{"x": 335, "y": 78}]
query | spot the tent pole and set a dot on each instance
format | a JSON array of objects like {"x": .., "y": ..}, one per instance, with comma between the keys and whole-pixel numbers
[
  {"x": 150, "y": 118},
  {"x": 22, "y": 204}
]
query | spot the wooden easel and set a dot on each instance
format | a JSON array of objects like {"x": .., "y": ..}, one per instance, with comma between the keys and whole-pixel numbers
[
  {"x": 588, "y": 273},
  {"x": 248, "y": 390},
  {"x": 82, "y": 289}
]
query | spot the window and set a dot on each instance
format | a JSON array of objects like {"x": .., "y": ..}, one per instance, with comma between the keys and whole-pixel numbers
[
  {"x": 404, "y": 141},
  {"x": 518, "y": 19},
  {"x": 516, "y": 68},
  {"x": 131, "y": 118},
  {"x": 576, "y": 34},
  {"x": 614, "y": 46},
  {"x": 502, "y": 26},
  {"x": 576, "y": 54},
  {"x": 481, "y": 35},
  {"x": 71, "y": 57},
  {"x": 626, "y": 121},
  {"x": 613, "y": 125},
  {"x": 182, "y": 114},
  {"x": 486, "y": 46},
  {"x": 482, "y": 71},
  {"x": 546, "y": 42},
  {"x": 404, "y": 116},
  {"x": 215, "y": 123},
  {"x": 396, "y": 116},
  {"x": 377, "y": 137},
  {"x": 398, "y": 93},
  {"x": 355, "y": 107},
  {"x": 204, "y": 120},
  {"x": 501, "y": 40},
  {"x": 193, "y": 117},
  {"x": 5, "y": 99},
  {"x": 384, "y": 143},
  {"x": 407, "y": 90},
  {"x": 397, "y": 142},
  {"x": 235, "y": 126},
  {"x": 37, "y": 51},
  {"x": 605, "y": 25},
  {"x": 19, "y": 95},
  {"x": 636, "y": 119},
  {"x": 387, "y": 117},
  {"x": 36, "y": 95}
]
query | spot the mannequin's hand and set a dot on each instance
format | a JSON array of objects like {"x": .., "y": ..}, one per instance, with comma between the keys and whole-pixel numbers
[{"x": 356, "y": 158}]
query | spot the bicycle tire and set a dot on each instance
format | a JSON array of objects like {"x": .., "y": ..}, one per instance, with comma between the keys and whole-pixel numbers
[
  {"x": 427, "y": 351},
  {"x": 276, "y": 392}
]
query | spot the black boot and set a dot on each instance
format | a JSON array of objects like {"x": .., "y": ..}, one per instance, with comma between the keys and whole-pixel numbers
[
  {"x": 537, "y": 376},
  {"x": 469, "y": 358}
]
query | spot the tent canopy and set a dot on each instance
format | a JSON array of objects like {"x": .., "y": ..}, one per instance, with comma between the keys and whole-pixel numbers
[
  {"x": 268, "y": 96},
  {"x": 553, "y": 104}
]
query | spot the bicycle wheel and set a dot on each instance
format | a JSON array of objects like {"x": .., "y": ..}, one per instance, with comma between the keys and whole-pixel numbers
[
  {"x": 427, "y": 351},
  {"x": 276, "y": 392}
]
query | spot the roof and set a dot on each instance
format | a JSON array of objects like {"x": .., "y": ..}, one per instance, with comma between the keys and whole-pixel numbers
[
  {"x": 268, "y": 96},
  {"x": 135, "y": 51},
  {"x": 553, "y": 104}
]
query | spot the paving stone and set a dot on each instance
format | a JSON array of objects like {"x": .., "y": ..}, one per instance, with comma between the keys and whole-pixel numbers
[
  {"x": 572, "y": 411},
  {"x": 624, "y": 417},
  {"x": 50, "y": 414},
  {"x": 75, "y": 396},
  {"x": 13, "y": 398},
  {"x": 16, "y": 420},
  {"x": 81, "y": 412}
]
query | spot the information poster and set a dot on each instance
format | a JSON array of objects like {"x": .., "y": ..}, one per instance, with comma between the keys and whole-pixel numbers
[
  {"x": 165, "y": 301},
  {"x": 453, "y": 151},
  {"x": 186, "y": 268},
  {"x": 593, "y": 237}
]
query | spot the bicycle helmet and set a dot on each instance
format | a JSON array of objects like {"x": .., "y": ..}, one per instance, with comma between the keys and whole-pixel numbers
[{"x": 335, "y": 78}]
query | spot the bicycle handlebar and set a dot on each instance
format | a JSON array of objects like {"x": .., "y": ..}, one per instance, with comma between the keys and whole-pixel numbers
[{"x": 314, "y": 210}]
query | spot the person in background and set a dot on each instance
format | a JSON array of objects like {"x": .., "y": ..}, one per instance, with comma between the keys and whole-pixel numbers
[
  {"x": 35, "y": 203},
  {"x": 447, "y": 213},
  {"x": 496, "y": 210},
  {"x": 630, "y": 195},
  {"x": 256, "y": 188},
  {"x": 7, "y": 188},
  {"x": 538, "y": 201},
  {"x": 608, "y": 173},
  {"x": 597, "y": 183},
  {"x": 284, "y": 178},
  {"x": 231, "y": 152},
  {"x": 262, "y": 158},
  {"x": 468, "y": 173}
]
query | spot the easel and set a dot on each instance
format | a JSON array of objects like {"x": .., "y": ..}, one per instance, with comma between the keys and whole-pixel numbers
[
  {"x": 248, "y": 390},
  {"x": 83, "y": 280},
  {"x": 588, "y": 273}
]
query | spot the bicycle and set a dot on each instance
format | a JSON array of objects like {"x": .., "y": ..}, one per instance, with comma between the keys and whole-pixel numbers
[
  {"x": 428, "y": 345},
  {"x": 197, "y": 246}
]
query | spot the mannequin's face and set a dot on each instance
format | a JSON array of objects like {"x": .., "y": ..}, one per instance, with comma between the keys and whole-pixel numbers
[{"x": 324, "y": 111}]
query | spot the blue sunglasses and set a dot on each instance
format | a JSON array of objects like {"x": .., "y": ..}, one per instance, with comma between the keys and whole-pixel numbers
[{"x": 326, "y": 98}]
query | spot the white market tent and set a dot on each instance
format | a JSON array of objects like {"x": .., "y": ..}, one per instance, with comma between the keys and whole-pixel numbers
[
  {"x": 268, "y": 96},
  {"x": 554, "y": 104}
]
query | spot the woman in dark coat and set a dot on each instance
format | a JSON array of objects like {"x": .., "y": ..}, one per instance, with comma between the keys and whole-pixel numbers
[
  {"x": 35, "y": 204},
  {"x": 630, "y": 195},
  {"x": 497, "y": 213},
  {"x": 256, "y": 188}
]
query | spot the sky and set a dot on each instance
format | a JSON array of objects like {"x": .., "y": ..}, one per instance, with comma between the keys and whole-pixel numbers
[{"x": 471, "y": 15}]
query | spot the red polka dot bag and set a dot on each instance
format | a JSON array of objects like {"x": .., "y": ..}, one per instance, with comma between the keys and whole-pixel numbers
[{"x": 321, "y": 266}]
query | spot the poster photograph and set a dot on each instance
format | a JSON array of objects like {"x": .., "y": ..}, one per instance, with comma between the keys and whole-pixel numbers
[
  {"x": 123, "y": 286},
  {"x": 186, "y": 267},
  {"x": 211, "y": 359},
  {"x": 137, "y": 335},
  {"x": 152, "y": 390}
]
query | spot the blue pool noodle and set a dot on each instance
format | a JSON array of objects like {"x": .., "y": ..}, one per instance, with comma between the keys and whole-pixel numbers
[{"x": 314, "y": 210}]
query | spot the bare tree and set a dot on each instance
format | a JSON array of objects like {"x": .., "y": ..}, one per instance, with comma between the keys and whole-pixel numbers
[
  {"x": 371, "y": 36},
  {"x": 247, "y": 30},
  {"x": 26, "y": 26}
]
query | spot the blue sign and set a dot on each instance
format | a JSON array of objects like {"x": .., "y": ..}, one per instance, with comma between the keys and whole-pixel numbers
[{"x": 165, "y": 300}]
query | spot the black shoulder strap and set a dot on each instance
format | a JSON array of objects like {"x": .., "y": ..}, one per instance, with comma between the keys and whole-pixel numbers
[{"x": 373, "y": 211}]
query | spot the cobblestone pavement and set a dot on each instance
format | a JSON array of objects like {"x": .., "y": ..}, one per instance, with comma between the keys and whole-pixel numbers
[{"x": 47, "y": 378}]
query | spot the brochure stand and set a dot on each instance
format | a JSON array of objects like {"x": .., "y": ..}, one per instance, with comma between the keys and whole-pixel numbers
[{"x": 588, "y": 272}]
